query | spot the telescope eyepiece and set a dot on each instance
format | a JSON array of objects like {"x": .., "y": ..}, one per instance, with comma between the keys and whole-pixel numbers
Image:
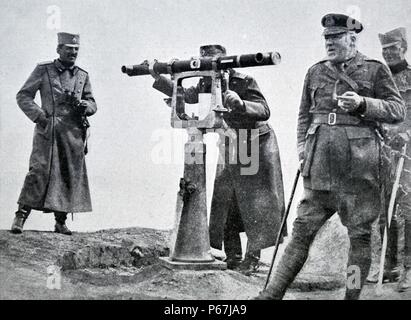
[{"x": 259, "y": 57}]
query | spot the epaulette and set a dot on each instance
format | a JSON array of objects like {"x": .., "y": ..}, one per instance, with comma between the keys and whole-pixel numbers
[
  {"x": 317, "y": 64},
  {"x": 82, "y": 69},
  {"x": 45, "y": 63},
  {"x": 321, "y": 61},
  {"x": 372, "y": 60}
]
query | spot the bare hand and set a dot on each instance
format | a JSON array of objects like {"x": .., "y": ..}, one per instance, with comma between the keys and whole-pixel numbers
[
  {"x": 349, "y": 101},
  {"x": 399, "y": 140},
  {"x": 232, "y": 101}
]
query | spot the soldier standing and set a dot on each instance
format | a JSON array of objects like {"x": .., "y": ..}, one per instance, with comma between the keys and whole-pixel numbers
[
  {"x": 394, "y": 47},
  {"x": 57, "y": 178},
  {"x": 253, "y": 203},
  {"x": 344, "y": 96}
]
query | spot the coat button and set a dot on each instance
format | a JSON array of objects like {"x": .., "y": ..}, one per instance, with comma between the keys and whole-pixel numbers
[{"x": 78, "y": 90}]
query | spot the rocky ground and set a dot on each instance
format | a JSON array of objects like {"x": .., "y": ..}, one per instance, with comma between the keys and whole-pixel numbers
[{"x": 124, "y": 264}]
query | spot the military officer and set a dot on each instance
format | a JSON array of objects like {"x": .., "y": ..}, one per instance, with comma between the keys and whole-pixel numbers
[
  {"x": 57, "y": 178},
  {"x": 253, "y": 203},
  {"x": 344, "y": 96},
  {"x": 394, "y": 48}
]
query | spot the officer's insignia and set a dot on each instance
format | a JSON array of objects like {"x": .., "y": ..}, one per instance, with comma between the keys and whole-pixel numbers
[
  {"x": 329, "y": 21},
  {"x": 74, "y": 40}
]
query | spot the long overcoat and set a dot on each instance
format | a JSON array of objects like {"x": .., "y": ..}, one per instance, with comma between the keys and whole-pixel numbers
[
  {"x": 255, "y": 185},
  {"x": 403, "y": 81},
  {"x": 57, "y": 178}
]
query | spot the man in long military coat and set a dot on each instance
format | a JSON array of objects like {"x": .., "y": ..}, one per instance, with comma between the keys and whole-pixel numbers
[
  {"x": 394, "y": 46},
  {"x": 344, "y": 98},
  {"x": 57, "y": 178},
  {"x": 252, "y": 202}
]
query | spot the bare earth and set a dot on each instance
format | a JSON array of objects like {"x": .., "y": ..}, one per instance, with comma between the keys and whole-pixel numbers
[{"x": 123, "y": 264}]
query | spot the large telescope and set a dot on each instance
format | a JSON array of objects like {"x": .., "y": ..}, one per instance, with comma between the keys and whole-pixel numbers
[{"x": 203, "y": 64}]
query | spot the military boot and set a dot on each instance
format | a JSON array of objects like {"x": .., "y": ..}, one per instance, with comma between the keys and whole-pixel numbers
[
  {"x": 21, "y": 216},
  {"x": 233, "y": 261},
  {"x": 405, "y": 281},
  {"x": 274, "y": 291},
  {"x": 60, "y": 226},
  {"x": 290, "y": 264},
  {"x": 250, "y": 264}
]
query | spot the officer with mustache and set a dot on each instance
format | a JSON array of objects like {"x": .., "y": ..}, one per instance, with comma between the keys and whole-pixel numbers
[
  {"x": 57, "y": 178},
  {"x": 344, "y": 98}
]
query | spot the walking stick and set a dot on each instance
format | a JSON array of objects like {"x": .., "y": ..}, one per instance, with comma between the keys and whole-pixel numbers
[
  {"x": 398, "y": 172},
  {"x": 283, "y": 224}
]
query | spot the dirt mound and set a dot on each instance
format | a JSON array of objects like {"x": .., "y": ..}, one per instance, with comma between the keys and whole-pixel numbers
[{"x": 124, "y": 264}]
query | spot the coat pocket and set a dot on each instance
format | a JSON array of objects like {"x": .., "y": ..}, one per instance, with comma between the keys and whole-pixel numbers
[
  {"x": 309, "y": 148},
  {"x": 316, "y": 90},
  {"x": 365, "y": 88},
  {"x": 365, "y": 154}
]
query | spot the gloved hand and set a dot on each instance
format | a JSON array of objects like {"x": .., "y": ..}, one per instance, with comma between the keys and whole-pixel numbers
[
  {"x": 350, "y": 101},
  {"x": 71, "y": 99},
  {"x": 399, "y": 140},
  {"x": 81, "y": 107},
  {"x": 233, "y": 102}
]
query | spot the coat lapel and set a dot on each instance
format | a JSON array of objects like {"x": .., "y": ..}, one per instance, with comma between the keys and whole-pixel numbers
[
  {"x": 54, "y": 77},
  {"x": 330, "y": 70},
  {"x": 355, "y": 64}
]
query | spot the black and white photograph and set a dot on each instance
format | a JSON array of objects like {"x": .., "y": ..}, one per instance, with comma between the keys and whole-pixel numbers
[{"x": 205, "y": 150}]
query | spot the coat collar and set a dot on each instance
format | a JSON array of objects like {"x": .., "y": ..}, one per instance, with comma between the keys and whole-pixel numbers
[
  {"x": 61, "y": 68},
  {"x": 351, "y": 67}
]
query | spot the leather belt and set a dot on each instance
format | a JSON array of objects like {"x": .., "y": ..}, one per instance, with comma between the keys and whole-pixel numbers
[{"x": 333, "y": 119}]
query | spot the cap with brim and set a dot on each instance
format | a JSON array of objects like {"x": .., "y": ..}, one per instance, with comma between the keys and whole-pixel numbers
[
  {"x": 68, "y": 39},
  {"x": 210, "y": 49},
  {"x": 335, "y": 23},
  {"x": 393, "y": 37}
]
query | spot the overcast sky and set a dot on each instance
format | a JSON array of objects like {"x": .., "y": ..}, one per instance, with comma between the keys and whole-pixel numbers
[{"x": 129, "y": 185}]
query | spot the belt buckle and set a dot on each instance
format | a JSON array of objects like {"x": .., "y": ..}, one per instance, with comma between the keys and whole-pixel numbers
[{"x": 332, "y": 118}]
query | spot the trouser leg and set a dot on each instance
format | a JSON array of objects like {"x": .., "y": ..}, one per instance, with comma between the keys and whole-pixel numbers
[
  {"x": 358, "y": 266},
  {"x": 232, "y": 240},
  {"x": 357, "y": 212},
  {"x": 407, "y": 233},
  {"x": 392, "y": 245},
  {"x": 60, "y": 217},
  {"x": 405, "y": 281},
  {"x": 312, "y": 213}
]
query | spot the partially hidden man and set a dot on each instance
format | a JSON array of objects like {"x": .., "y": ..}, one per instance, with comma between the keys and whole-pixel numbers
[
  {"x": 344, "y": 98},
  {"x": 394, "y": 47},
  {"x": 57, "y": 178},
  {"x": 253, "y": 203}
]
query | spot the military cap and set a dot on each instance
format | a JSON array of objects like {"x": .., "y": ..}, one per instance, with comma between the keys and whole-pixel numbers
[
  {"x": 335, "y": 23},
  {"x": 209, "y": 49},
  {"x": 393, "y": 37},
  {"x": 68, "y": 39}
]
